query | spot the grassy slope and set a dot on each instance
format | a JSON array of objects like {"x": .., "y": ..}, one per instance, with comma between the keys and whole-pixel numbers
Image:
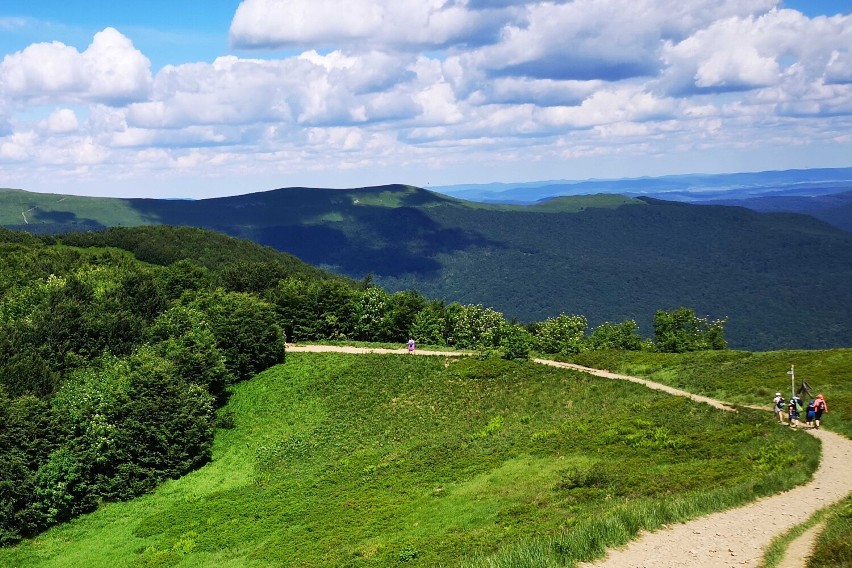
[
  {"x": 378, "y": 460},
  {"x": 744, "y": 378},
  {"x": 69, "y": 210}
]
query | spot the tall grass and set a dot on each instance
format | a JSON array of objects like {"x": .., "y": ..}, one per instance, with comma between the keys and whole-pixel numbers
[{"x": 378, "y": 460}]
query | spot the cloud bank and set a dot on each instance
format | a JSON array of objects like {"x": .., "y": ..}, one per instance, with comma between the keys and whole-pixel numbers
[{"x": 387, "y": 88}]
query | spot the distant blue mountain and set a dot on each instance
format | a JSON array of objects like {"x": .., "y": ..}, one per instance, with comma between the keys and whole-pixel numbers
[
  {"x": 686, "y": 187},
  {"x": 822, "y": 193}
]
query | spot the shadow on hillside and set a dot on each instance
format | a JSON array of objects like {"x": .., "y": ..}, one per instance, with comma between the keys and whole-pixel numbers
[
  {"x": 390, "y": 242},
  {"x": 330, "y": 227},
  {"x": 56, "y": 223}
]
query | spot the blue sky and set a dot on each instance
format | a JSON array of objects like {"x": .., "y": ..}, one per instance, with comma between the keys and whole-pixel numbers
[{"x": 206, "y": 98}]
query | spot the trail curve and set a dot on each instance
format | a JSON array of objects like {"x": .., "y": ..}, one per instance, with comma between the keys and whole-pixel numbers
[{"x": 732, "y": 538}]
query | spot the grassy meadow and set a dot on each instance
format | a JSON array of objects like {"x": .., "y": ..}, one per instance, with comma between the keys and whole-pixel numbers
[
  {"x": 389, "y": 460},
  {"x": 743, "y": 378}
]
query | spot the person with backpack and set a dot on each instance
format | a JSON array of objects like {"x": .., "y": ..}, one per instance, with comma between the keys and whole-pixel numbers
[
  {"x": 820, "y": 407},
  {"x": 809, "y": 414},
  {"x": 795, "y": 409},
  {"x": 411, "y": 345},
  {"x": 779, "y": 407}
]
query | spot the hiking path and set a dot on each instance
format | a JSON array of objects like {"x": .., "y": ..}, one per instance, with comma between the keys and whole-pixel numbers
[{"x": 732, "y": 538}]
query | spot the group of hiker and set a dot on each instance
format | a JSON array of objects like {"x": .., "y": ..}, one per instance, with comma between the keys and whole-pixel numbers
[{"x": 795, "y": 407}]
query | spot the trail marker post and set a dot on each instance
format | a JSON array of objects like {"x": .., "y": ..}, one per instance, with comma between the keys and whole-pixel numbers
[{"x": 792, "y": 373}]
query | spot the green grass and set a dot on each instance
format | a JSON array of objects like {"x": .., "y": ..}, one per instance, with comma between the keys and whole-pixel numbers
[
  {"x": 382, "y": 460},
  {"x": 40, "y": 208},
  {"x": 743, "y": 378},
  {"x": 774, "y": 553},
  {"x": 833, "y": 546}
]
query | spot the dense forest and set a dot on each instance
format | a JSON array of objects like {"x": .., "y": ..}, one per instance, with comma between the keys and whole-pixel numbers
[
  {"x": 783, "y": 278},
  {"x": 118, "y": 347}
]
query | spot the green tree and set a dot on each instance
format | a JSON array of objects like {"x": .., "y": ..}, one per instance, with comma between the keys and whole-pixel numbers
[
  {"x": 623, "y": 336},
  {"x": 680, "y": 330},
  {"x": 563, "y": 334},
  {"x": 427, "y": 325},
  {"x": 371, "y": 316},
  {"x": 472, "y": 326},
  {"x": 515, "y": 342},
  {"x": 245, "y": 329},
  {"x": 183, "y": 336}
]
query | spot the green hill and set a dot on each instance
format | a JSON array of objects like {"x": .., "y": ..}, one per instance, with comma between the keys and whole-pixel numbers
[
  {"x": 382, "y": 460},
  {"x": 782, "y": 279}
]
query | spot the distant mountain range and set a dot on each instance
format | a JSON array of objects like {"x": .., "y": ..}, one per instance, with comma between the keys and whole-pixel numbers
[
  {"x": 782, "y": 278},
  {"x": 824, "y": 193}
]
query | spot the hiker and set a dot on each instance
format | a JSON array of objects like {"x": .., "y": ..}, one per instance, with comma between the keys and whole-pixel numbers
[
  {"x": 411, "y": 345},
  {"x": 794, "y": 409},
  {"x": 810, "y": 414},
  {"x": 820, "y": 407},
  {"x": 779, "y": 407}
]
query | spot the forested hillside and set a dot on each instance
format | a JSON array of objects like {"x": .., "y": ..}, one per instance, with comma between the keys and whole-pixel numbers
[
  {"x": 117, "y": 347},
  {"x": 781, "y": 279}
]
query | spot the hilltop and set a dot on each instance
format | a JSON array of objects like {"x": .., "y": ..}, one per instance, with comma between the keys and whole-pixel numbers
[{"x": 781, "y": 278}]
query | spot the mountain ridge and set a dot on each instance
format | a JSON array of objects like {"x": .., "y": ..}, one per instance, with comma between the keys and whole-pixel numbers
[{"x": 782, "y": 278}]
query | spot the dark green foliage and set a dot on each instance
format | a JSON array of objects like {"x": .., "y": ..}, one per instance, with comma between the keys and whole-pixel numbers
[
  {"x": 315, "y": 309},
  {"x": 515, "y": 342},
  {"x": 134, "y": 422},
  {"x": 254, "y": 276},
  {"x": 245, "y": 329},
  {"x": 224, "y": 256},
  {"x": 107, "y": 382},
  {"x": 29, "y": 432},
  {"x": 25, "y": 372},
  {"x": 61, "y": 489},
  {"x": 624, "y": 335},
  {"x": 184, "y": 276},
  {"x": 427, "y": 325},
  {"x": 185, "y": 338},
  {"x": 564, "y": 334},
  {"x": 679, "y": 331}
]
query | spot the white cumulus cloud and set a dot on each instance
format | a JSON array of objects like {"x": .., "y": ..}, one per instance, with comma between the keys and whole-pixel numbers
[
  {"x": 62, "y": 121},
  {"x": 110, "y": 70},
  {"x": 336, "y": 23}
]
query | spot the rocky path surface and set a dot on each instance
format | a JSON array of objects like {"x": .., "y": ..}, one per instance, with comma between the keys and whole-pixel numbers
[{"x": 732, "y": 538}]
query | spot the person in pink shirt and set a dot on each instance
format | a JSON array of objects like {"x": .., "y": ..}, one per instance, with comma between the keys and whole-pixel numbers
[
  {"x": 820, "y": 407},
  {"x": 411, "y": 345}
]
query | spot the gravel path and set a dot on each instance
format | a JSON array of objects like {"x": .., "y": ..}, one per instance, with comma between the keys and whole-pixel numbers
[
  {"x": 801, "y": 548},
  {"x": 736, "y": 537}
]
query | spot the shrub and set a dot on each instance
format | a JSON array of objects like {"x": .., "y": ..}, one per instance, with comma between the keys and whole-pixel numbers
[
  {"x": 245, "y": 329},
  {"x": 562, "y": 334},
  {"x": 624, "y": 336},
  {"x": 679, "y": 331}
]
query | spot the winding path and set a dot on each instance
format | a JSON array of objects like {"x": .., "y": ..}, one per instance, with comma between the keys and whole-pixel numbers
[{"x": 736, "y": 537}]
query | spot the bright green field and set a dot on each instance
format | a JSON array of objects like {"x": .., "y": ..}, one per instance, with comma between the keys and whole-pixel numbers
[
  {"x": 742, "y": 377},
  {"x": 386, "y": 460}
]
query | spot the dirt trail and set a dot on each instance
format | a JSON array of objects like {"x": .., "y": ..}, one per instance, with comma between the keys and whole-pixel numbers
[
  {"x": 736, "y": 537},
  {"x": 801, "y": 548}
]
